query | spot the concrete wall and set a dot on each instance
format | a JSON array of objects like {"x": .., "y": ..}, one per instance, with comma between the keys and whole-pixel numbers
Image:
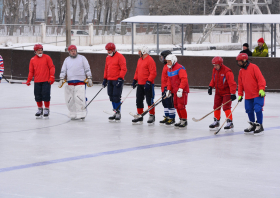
[{"x": 199, "y": 69}]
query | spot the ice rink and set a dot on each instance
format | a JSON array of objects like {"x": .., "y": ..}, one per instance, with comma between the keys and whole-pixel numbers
[{"x": 63, "y": 158}]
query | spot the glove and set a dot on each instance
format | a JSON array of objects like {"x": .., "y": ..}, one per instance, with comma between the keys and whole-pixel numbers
[
  {"x": 180, "y": 93},
  {"x": 262, "y": 93},
  {"x": 61, "y": 82},
  {"x": 233, "y": 97},
  {"x": 210, "y": 90},
  {"x": 28, "y": 83},
  {"x": 120, "y": 82},
  {"x": 148, "y": 85},
  {"x": 165, "y": 89},
  {"x": 133, "y": 85},
  {"x": 240, "y": 98},
  {"x": 51, "y": 80},
  {"x": 89, "y": 82},
  {"x": 104, "y": 84},
  {"x": 168, "y": 94}
]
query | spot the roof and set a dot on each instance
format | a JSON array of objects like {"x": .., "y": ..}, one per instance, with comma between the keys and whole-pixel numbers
[{"x": 205, "y": 19}]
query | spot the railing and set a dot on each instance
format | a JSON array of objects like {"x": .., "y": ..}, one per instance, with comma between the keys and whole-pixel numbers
[{"x": 20, "y": 30}]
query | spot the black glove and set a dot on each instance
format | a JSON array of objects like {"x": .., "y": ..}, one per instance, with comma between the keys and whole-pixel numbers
[
  {"x": 120, "y": 82},
  {"x": 104, "y": 84},
  {"x": 240, "y": 98},
  {"x": 210, "y": 90},
  {"x": 233, "y": 97},
  {"x": 165, "y": 89},
  {"x": 148, "y": 85},
  {"x": 134, "y": 83}
]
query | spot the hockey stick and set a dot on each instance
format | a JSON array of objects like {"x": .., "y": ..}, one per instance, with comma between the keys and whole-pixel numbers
[
  {"x": 197, "y": 120},
  {"x": 92, "y": 99},
  {"x": 150, "y": 108},
  {"x": 11, "y": 82},
  {"x": 118, "y": 107},
  {"x": 226, "y": 120}
]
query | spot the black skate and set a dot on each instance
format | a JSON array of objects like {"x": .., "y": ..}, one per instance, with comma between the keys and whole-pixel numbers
[
  {"x": 170, "y": 122},
  {"x": 46, "y": 112},
  {"x": 152, "y": 119},
  {"x": 183, "y": 124},
  {"x": 112, "y": 118},
  {"x": 215, "y": 125},
  {"x": 162, "y": 122},
  {"x": 39, "y": 113},
  {"x": 229, "y": 125},
  {"x": 176, "y": 126},
  {"x": 250, "y": 129},
  {"x": 259, "y": 129},
  {"x": 137, "y": 121},
  {"x": 118, "y": 117}
]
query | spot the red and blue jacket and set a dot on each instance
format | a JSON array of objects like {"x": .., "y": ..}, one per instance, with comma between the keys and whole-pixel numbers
[
  {"x": 177, "y": 78},
  {"x": 223, "y": 81}
]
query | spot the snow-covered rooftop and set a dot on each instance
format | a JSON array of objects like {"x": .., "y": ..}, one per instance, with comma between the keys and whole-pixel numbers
[{"x": 193, "y": 19}]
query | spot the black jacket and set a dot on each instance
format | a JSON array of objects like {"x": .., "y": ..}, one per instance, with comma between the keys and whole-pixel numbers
[{"x": 247, "y": 51}]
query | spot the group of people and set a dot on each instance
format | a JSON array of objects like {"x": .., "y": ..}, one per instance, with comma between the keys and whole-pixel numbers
[
  {"x": 260, "y": 51},
  {"x": 174, "y": 86}
]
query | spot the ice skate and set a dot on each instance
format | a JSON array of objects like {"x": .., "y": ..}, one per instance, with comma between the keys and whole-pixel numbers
[
  {"x": 46, "y": 112},
  {"x": 259, "y": 129},
  {"x": 112, "y": 118},
  {"x": 215, "y": 125},
  {"x": 229, "y": 126},
  {"x": 151, "y": 120},
  {"x": 118, "y": 117},
  {"x": 137, "y": 121},
  {"x": 39, "y": 113},
  {"x": 183, "y": 124},
  {"x": 176, "y": 126},
  {"x": 162, "y": 122},
  {"x": 250, "y": 129},
  {"x": 170, "y": 122}
]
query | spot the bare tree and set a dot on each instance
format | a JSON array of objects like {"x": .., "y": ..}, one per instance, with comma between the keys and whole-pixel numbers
[
  {"x": 116, "y": 15},
  {"x": 52, "y": 8},
  {"x": 61, "y": 10},
  {"x": 86, "y": 12},
  {"x": 125, "y": 8},
  {"x": 74, "y": 5},
  {"x": 33, "y": 18},
  {"x": 105, "y": 15},
  {"x": 12, "y": 13},
  {"x": 98, "y": 6}
]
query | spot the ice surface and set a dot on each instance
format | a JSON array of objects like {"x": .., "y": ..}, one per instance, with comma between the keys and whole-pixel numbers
[{"x": 59, "y": 157}]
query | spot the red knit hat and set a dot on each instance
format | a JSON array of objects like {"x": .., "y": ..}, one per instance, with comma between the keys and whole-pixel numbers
[{"x": 261, "y": 40}]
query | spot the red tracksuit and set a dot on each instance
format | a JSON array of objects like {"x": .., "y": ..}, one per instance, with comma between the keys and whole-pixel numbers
[
  {"x": 178, "y": 78},
  {"x": 223, "y": 81},
  {"x": 164, "y": 77}
]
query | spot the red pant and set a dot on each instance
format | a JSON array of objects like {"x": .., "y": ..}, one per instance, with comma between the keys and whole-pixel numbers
[
  {"x": 219, "y": 100},
  {"x": 180, "y": 103}
]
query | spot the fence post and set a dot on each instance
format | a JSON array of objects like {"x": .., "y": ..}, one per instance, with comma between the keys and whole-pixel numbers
[
  {"x": 90, "y": 32},
  {"x": 43, "y": 32}
]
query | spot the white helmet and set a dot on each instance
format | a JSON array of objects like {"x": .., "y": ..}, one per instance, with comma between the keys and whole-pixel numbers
[
  {"x": 172, "y": 58},
  {"x": 144, "y": 49}
]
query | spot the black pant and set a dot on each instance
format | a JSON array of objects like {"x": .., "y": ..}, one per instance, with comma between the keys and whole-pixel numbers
[
  {"x": 42, "y": 91},
  {"x": 114, "y": 92},
  {"x": 167, "y": 102},
  {"x": 141, "y": 93}
]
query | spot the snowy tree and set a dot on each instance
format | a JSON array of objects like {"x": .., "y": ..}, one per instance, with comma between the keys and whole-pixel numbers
[{"x": 11, "y": 13}]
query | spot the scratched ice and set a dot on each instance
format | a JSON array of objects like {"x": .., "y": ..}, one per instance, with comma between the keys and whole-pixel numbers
[{"x": 58, "y": 157}]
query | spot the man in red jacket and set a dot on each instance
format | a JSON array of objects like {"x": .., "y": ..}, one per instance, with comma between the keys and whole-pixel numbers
[
  {"x": 114, "y": 72},
  {"x": 42, "y": 69},
  {"x": 252, "y": 82},
  {"x": 145, "y": 75},
  {"x": 223, "y": 81},
  {"x": 178, "y": 85}
]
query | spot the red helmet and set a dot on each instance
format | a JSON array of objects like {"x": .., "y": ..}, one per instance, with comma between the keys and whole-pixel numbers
[
  {"x": 242, "y": 57},
  {"x": 72, "y": 47},
  {"x": 38, "y": 46},
  {"x": 110, "y": 46},
  {"x": 217, "y": 61}
]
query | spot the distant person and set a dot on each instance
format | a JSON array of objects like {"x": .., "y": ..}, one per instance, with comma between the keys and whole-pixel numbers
[
  {"x": 1, "y": 68},
  {"x": 246, "y": 49},
  {"x": 261, "y": 50}
]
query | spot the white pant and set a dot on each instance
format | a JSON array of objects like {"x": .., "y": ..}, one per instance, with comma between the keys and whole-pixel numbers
[{"x": 75, "y": 98}]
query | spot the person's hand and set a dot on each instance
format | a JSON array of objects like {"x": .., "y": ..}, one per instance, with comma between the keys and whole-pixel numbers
[
  {"x": 51, "y": 80},
  {"x": 89, "y": 82},
  {"x": 233, "y": 97},
  {"x": 210, "y": 90},
  {"x": 104, "y": 84},
  {"x": 240, "y": 98},
  {"x": 133, "y": 85},
  {"x": 28, "y": 83},
  {"x": 180, "y": 93},
  {"x": 61, "y": 82},
  {"x": 262, "y": 93},
  {"x": 148, "y": 85},
  {"x": 168, "y": 94},
  {"x": 119, "y": 82}
]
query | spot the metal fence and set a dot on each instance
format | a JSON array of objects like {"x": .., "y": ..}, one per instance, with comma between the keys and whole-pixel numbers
[{"x": 20, "y": 30}]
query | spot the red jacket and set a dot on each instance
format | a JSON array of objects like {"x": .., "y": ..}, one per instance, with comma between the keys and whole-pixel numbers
[
  {"x": 177, "y": 78},
  {"x": 223, "y": 81},
  {"x": 41, "y": 68},
  {"x": 164, "y": 77},
  {"x": 115, "y": 67},
  {"x": 146, "y": 70},
  {"x": 250, "y": 80}
]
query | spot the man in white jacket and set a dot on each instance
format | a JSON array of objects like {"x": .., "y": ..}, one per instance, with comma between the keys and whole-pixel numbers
[{"x": 77, "y": 70}]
